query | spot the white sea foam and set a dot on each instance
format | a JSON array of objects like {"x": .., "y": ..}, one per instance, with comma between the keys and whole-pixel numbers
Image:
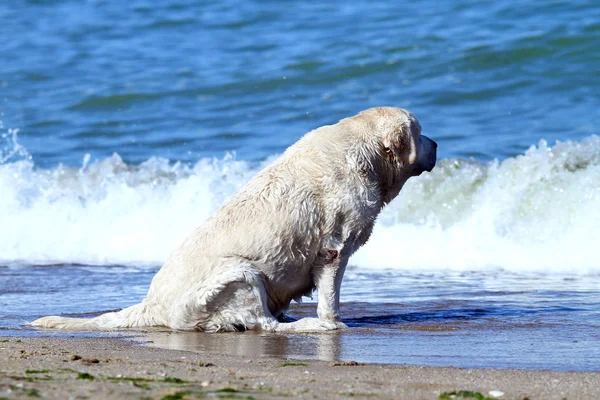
[{"x": 535, "y": 212}]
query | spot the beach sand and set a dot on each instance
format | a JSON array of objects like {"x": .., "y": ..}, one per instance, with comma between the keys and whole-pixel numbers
[{"x": 109, "y": 368}]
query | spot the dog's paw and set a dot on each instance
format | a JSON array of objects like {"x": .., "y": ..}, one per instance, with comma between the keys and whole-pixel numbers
[
  {"x": 307, "y": 325},
  {"x": 340, "y": 325}
]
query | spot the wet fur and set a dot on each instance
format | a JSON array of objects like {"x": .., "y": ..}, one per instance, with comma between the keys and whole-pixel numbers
[{"x": 291, "y": 229}]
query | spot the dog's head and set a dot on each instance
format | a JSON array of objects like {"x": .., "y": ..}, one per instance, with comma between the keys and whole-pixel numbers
[{"x": 396, "y": 142}]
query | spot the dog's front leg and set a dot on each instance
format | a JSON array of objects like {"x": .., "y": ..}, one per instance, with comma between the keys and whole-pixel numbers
[{"x": 328, "y": 280}]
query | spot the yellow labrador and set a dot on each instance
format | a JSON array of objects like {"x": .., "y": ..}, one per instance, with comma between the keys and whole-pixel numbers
[{"x": 291, "y": 229}]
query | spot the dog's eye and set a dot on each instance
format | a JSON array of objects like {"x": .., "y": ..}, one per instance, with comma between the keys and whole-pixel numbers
[{"x": 388, "y": 151}]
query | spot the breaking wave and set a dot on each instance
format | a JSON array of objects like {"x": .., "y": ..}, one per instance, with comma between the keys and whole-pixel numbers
[{"x": 539, "y": 211}]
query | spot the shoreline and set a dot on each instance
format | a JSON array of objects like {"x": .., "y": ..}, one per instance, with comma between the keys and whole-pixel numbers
[{"x": 51, "y": 367}]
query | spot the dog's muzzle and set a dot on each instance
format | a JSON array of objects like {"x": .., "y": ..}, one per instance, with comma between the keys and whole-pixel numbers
[{"x": 427, "y": 155}]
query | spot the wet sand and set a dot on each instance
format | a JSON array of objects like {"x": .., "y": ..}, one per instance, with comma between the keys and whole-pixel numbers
[{"x": 109, "y": 368}]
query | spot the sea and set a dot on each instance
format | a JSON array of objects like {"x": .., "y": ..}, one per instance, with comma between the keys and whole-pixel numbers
[{"x": 124, "y": 125}]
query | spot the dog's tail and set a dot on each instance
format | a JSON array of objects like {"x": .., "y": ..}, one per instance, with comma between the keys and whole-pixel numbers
[{"x": 136, "y": 316}]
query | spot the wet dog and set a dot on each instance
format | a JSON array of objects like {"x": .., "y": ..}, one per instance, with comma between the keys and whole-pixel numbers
[{"x": 291, "y": 229}]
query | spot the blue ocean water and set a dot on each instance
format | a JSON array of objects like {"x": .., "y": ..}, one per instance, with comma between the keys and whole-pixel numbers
[{"x": 124, "y": 125}]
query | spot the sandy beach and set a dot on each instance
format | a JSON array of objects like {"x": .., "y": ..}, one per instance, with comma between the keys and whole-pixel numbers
[{"x": 107, "y": 368}]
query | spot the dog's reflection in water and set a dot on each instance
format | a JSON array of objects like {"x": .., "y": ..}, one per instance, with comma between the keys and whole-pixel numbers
[{"x": 323, "y": 346}]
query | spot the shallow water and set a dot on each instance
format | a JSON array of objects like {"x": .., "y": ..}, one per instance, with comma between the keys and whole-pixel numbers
[
  {"x": 123, "y": 127},
  {"x": 462, "y": 337},
  {"x": 494, "y": 319}
]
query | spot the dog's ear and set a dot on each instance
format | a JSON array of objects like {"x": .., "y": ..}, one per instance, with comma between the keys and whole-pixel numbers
[{"x": 401, "y": 144}]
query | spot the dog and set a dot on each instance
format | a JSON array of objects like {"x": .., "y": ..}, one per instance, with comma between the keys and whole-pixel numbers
[{"x": 290, "y": 230}]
